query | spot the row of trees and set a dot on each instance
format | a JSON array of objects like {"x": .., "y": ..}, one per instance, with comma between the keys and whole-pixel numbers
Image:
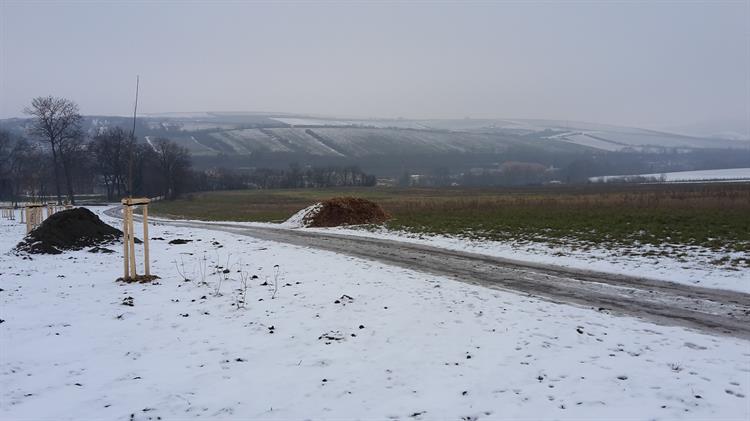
[
  {"x": 509, "y": 173},
  {"x": 65, "y": 162},
  {"x": 158, "y": 168},
  {"x": 58, "y": 159},
  {"x": 272, "y": 178},
  {"x": 21, "y": 168}
]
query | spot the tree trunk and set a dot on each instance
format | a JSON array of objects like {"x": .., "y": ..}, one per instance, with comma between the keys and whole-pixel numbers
[
  {"x": 68, "y": 182},
  {"x": 110, "y": 188},
  {"x": 118, "y": 183},
  {"x": 57, "y": 173}
]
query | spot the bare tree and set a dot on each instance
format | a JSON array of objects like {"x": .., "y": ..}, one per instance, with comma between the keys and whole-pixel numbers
[
  {"x": 6, "y": 149},
  {"x": 146, "y": 173},
  {"x": 75, "y": 162},
  {"x": 110, "y": 153},
  {"x": 29, "y": 171},
  {"x": 174, "y": 166},
  {"x": 6, "y": 145},
  {"x": 58, "y": 121}
]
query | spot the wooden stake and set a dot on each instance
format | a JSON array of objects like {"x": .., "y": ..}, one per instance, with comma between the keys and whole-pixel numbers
[
  {"x": 125, "y": 243},
  {"x": 146, "y": 264},
  {"x": 129, "y": 261},
  {"x": 133, "y": 272}
]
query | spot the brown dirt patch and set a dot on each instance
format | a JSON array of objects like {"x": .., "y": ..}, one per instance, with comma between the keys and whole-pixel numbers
[
  {"x": 347, "y": 211},
  {"x": 138, "y": 279}
]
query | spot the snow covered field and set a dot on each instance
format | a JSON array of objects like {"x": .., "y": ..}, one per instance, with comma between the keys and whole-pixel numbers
[
  {"x": 342, "y": 338},
  {"x": 679, "y": 176}
]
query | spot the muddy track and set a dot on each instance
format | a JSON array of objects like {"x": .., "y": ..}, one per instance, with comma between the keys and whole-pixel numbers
[{"x": 710, "y": 310}]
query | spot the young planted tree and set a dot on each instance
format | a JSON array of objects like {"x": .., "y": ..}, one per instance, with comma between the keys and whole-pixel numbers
[{"x": 58, "y": 122}]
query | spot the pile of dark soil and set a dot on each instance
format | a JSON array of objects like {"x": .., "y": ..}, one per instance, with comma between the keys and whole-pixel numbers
[
  {"x": 347, "y": 211},
  {"x": 139, "y": 279},
  {"x": 72, "y": 229}
]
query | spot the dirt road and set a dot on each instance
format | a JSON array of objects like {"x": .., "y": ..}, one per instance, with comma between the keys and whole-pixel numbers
[{"x": 711, "y": 310}]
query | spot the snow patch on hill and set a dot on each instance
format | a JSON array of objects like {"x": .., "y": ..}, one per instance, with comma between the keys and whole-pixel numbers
[{"x": 682, "y": 176}]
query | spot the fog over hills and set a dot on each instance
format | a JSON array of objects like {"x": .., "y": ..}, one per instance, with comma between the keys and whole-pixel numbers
[{"x": 726, "y": 129}]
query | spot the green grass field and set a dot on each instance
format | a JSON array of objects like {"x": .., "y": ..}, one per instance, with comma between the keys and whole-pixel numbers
[{"x": 710, "y": 215}]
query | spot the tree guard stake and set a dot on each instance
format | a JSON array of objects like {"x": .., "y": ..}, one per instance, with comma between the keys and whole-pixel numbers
[
  {"x": 34, "y": 216},
  {"x": 128, "y": 244}
]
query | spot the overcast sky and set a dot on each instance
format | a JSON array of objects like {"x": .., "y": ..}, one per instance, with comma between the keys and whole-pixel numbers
[{"x": 628, "y": 62}]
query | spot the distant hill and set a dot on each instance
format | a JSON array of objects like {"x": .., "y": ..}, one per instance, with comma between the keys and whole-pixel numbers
[{"x": 275, "y": 139}]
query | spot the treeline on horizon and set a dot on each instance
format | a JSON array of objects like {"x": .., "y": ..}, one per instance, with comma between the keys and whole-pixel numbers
[
  {"x": 519, "y": 165},
  {"x": 66, "y": 163}
]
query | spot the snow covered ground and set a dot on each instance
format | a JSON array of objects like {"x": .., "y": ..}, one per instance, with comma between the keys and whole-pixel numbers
[
  {"x": 699, "y": 266},
  {"x": 694, "y": 265},
  {"x": 342, "y": 338}
]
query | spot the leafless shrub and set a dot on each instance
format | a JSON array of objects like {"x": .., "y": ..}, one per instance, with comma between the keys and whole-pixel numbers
[
  {"x": 242, "y": 296},
  {"x": 181, "y": 269},
  {"x": 203, "y": 268},
  {"x": 223, "y": 273}
]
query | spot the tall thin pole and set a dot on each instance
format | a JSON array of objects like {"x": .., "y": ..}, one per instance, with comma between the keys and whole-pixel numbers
[
  {"x": 127, "y": 214},
  {"x": 132, "y": 140}
]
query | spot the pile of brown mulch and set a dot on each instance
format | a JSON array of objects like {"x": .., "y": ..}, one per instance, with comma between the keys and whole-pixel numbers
[
  {"x": 347, "y": 211},
  {"x": 72, "y": 229}
]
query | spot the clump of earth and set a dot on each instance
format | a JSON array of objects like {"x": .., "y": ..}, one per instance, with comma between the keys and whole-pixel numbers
[
  {"x": 72, "y": 229},
  {"x": 340, "y": 211}
]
